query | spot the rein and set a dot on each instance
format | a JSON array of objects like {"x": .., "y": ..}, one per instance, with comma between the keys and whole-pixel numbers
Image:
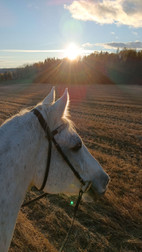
[{"x": 86, "y": 185}]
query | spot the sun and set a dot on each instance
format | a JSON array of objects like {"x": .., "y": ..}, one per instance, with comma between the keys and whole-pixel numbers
[{"x": 72, "y": 51}]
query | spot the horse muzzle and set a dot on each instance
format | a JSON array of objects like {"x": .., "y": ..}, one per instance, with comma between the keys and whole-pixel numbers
[{"x": 92, "y": 192}]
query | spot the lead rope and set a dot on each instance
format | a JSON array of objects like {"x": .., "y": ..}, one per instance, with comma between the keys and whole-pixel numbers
[
  {"x": 84, "y": 189},
  {"x": 73, "y": 219}
]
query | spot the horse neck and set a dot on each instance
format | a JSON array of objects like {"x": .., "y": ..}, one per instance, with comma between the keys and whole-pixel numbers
[{"x": 19, "y": 144}]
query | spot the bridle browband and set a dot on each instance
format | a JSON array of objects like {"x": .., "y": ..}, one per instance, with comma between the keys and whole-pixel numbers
[{"x": 50, "y": 136}]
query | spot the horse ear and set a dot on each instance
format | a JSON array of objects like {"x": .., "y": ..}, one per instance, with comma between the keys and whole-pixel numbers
[
  {"x": 61, "y": 105},
  {"x": 50, "y": 98}
]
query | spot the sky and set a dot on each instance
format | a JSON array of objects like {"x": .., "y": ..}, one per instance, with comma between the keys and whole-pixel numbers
[{"x": 33, "y": 30}]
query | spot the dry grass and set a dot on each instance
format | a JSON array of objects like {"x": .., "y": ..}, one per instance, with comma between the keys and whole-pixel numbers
[
  {"x": 28, "y": 238},
  {"x": 109, "y": 119}
]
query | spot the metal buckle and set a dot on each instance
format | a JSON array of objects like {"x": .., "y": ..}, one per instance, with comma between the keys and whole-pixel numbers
[{"x": 86, "y": 187}]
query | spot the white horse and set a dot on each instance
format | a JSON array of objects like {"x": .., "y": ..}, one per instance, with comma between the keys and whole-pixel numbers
[{"x": 23, "y": 157}]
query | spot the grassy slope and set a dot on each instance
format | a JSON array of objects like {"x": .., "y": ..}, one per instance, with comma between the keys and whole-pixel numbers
[{"x": 109, "y": 120}]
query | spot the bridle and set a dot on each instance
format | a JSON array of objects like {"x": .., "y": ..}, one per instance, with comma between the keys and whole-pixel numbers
[
  {"x": 50, "y": 136},
  {"x": 85, "y": 185}
]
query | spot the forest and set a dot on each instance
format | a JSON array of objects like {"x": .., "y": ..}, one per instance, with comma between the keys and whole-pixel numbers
[{"x": 122, "y": 67}]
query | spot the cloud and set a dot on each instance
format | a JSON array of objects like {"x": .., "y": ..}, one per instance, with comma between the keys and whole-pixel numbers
[
  {"x": 120, "y": 12},
  {"x": 114, "y": 45},
  {"x": 132, "y": 6},
  {"x": 31, "y": 51},
  {"x": 88, "y": 44}
]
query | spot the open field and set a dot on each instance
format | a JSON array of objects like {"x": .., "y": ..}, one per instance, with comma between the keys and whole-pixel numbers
[{"x": 109, "y": 119}]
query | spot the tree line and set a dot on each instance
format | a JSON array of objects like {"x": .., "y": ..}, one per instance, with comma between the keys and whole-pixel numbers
[{"x": 122, "y": 67}]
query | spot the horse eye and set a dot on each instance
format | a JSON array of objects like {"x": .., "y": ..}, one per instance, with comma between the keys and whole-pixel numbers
[{"x": 77, "y": 146}]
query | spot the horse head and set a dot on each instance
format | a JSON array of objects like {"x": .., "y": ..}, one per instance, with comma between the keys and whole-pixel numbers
[{"x": 61, "y": 179}]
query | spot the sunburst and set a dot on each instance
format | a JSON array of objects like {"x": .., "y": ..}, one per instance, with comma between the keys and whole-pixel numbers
[{"x": 72, "y": 51}]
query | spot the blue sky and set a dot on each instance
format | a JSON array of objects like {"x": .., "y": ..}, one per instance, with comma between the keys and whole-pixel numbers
[{"x": 32, "y": 30}]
